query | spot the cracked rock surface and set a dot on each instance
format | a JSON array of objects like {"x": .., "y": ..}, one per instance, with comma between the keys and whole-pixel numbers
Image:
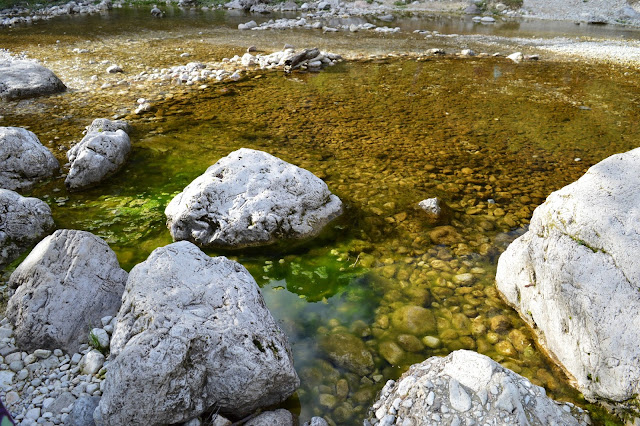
[
  {"x": 23, "y": 159},
  {"x": 97, "y": 156},
  {"x": 575, "y": 277},
  {"x": 193, "y": 332},
  {"x": 23, "y": 222},
  {"x": 251, "y": 198},
  {"x": 69, "y": 281},
  {"x": 467, "y": 388}
]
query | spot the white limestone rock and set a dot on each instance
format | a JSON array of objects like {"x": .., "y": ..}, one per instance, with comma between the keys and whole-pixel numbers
[
  {"x": 279, "y": 417},
  {"x": 68, "y": 282},
  {"x": 97, "y": 156},
  {"x": 23, "y": 222},
  {"x": 24, "y": 159},
  {"x": 193, "y": 332},
  {"x": 251, "y": 198},
  {"x": 461, "y": 384},
  {"x": 26, "y": 79},
  {"x": 575, "y": 278},
  {"x": 106, "y": 125}
]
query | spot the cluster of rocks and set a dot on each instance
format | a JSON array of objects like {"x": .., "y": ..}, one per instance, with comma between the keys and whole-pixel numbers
[
  {"x": 468, "y": 388},
  {"x": 232, "y": 69},
  {"x": 313, "y": 23},
  {"x": 23, "y": 15}
]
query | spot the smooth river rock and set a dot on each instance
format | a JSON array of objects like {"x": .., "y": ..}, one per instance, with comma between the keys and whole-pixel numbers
[
  {"x": 26, "y": 79},
  {"x": 69, "y": 281},
  {"x": 193, "y": 332},
  {"x": 251, "y": 198},
  {"x": 469, "y": 388},
  {"x": 24, "y": 159},
  {"x": 23, "y": 222},
  {"x": 96, "y": 157},
  {"x": 575, "y": 278}
]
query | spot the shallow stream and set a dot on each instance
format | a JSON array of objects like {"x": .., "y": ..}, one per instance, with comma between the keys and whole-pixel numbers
[{"x": 489, "y": 137}]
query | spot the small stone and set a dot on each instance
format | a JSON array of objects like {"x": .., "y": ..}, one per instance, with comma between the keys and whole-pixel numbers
[
  {"x": 58, "y": 352},
  {"x": 33, "y": 414},
  {"x": 458, "y": 397},
  {"x": 42, "y": 353},
  {"x": 92, "y": 362}
]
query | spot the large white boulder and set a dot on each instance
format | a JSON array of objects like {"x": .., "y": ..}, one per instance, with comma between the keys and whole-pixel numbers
[
  {"x": 23, "y": 222},
  {"x": 24, "y": 160},
  {"x": 25, "y": 79},
  {"x": 193, "y": 332},
  {"x": 575, "y": 278},
  {"x": 69, "y": 281},
  {"x": 465, "y": 388},
  {"x": 251, "y": 198},
  {"x": 97, "y": 156}
]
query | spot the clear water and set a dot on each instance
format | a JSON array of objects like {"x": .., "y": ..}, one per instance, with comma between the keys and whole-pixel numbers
[{"x": 384, "y": 134}]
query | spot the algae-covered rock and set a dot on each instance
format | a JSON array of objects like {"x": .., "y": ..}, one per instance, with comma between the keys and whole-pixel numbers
[
  {"x": 348, "y": 351},
  {"x": 414, "y": 320}
]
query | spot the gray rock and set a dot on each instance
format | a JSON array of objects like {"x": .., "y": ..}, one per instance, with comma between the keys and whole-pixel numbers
[
  {"x": 26, "y": 79},
  {"x": 472, "y": 9},
  {"x": 106, "y": 125},
  {"x": 68, "y": 282},
  {"x": 92, "y": 362},
  {"x": 82, "y": 412},
  {"x": 251, "y": 198},
  {"x": 23, "y": 222},
  {"x": 193, "y": 331},
  {"x": 249, "y": 25},
  {"x": 437, "y": 211},
  {"x": 316, "y": 421},
  {"x": 96, "y": 157},
  {"x": 62, "y": 401},
  {"x": 279, "y": 417},
  {"x": 114, "y": 69},
  {"x": 575, "y": 275},
  {"x": 461, "y": 384},
  {"x": 24, "y": 159}
]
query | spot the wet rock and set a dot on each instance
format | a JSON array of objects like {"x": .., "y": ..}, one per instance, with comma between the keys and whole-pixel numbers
[
  {"x": 391, "y": 352},
  {"x": 23, "y": 222},
  {"x": 436, "y": 211},
  {"x": 348, "y": 351},
  {"x": 500, "y": 323},
  {"x": 279, "y": 417},
  {"x": 68, "y": 282},
  {"x": 24, "y": 159},
  {"x": 193, "y": 326},
  {"x": 575, "y": 275},
  {"x": 414, "y": 320},
  {"x": 156, "y": 13},
  {"x": 469, "y": 388},
  {"x": 27, "y": 79},
  {"x": 97, "y": 156},
  {"x": 251, "y": 198}
]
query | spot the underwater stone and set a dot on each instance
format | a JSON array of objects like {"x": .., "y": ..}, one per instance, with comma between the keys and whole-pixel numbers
[
  {"x": 194, "y": 326},
  {"x": 251, "y": 198},
  {"x": 348, "y": 351},
  {"x": 414, "y": 320}
]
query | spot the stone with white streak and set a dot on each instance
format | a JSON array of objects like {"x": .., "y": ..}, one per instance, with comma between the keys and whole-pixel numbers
[
  {"x": 251, "y": 198},
  {"x": 23, "y": 222},
  {"x": 68, "y": 282},
  {"x": 97, "y": 156},
  {"x": 193, "y": 332},
  {"x": 456, "y": 389},
  {"x": 24, "y": 159},
  {"x": 575, "y": 278}
]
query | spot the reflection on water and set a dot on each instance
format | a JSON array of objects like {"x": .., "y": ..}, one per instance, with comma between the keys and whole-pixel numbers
[{"x": 489, "y": 137}]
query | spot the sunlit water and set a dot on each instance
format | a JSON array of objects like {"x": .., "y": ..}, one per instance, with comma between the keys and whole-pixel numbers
[{"x": 489, "y": 137}]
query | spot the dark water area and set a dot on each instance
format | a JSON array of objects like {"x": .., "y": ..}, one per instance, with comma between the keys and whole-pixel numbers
[{"x": 489, "y": 137}]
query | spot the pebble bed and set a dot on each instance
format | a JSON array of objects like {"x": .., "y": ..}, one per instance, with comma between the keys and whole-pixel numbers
[{"x": 41, "y": 387}]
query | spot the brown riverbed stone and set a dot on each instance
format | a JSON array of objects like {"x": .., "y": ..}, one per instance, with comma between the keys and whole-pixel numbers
[{"x": 414, "y": 320}]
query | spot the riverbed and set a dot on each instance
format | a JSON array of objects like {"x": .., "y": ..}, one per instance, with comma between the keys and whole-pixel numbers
[{"x": 386, "y": 128}]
